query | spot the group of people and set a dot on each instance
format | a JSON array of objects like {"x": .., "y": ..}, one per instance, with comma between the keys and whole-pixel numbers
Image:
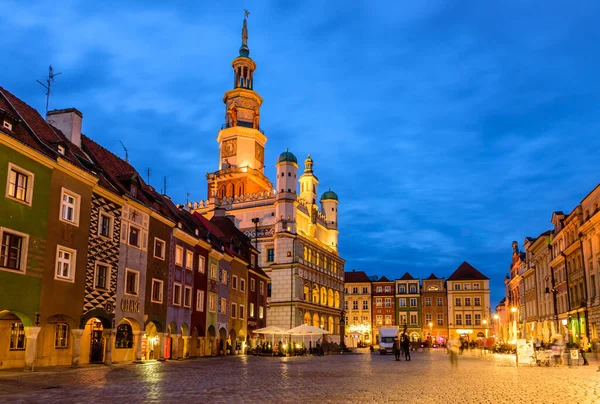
[{"x": 402, "y": 346}]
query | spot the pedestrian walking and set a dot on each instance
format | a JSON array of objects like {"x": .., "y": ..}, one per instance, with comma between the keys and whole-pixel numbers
[
  {"x": 584, "y": 345},
  {"x": 453, "y": 345},
  {"x": 396, "y": 347}
]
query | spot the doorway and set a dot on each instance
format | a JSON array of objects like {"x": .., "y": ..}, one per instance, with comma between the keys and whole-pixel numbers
[{"x": 96, "y": 347}]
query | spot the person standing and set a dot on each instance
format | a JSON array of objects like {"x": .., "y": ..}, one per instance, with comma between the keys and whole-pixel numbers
[
  {"x": 583, "y": 347},
  {"x": 406, "y": 347},
  {"x": 452, "y": 346},
  {"x": 396, "y": 347}
]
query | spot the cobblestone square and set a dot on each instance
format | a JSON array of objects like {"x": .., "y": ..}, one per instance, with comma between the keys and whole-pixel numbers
[{"x": 427, "y": 378}]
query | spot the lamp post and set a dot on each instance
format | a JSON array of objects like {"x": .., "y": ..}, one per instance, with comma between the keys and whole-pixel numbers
[
  {"x": 430, "y": 326},
  {"x": 497, "y": 329},
  {"x": 486, "y": 328},
  {"x": 515, "y": 317},
  {"x": 565, "y": 323},
  {"x": 342, "y": 329}
]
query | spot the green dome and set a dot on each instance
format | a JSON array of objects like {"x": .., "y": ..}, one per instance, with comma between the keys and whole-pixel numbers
[
  {"x": 287, "y": 157},
  {"x": 329, "y": 196}
]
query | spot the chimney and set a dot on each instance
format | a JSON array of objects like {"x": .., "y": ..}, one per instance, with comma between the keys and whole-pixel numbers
[
  {"x": 68, "y": 121},
  {"x": 219, "y": 212}
]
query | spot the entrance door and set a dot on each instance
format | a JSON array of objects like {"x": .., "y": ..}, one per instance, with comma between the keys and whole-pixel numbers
[{"x": 97, "y": 347}]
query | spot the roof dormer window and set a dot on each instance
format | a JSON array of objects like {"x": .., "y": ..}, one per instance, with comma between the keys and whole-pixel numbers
[
  {"x": 134, "y": 191},
  {"x": 61, "y": 149},
  {"x": 7, "y": 125}
]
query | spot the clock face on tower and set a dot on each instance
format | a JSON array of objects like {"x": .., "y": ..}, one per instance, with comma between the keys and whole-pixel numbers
[
  {"x": 229, "y": 148},
  {"x": 259, "y": 152}
]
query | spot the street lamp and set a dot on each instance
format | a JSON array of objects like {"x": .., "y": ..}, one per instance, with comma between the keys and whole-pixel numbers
[
  {"x": 430, "y": 325},
  {"x": 564, "y": 323},
  {"x": 497, "y": 325}
]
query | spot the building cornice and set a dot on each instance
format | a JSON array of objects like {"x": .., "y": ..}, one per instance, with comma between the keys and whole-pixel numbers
[{"x": 183, "y": 236}]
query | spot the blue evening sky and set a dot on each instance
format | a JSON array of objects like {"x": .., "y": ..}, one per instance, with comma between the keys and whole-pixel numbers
[{"x": 447, "y": 128}]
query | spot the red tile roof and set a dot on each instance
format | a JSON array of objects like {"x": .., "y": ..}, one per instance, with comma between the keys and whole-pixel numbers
[
  {"x": 355, "y": 277},
  {"x": 466, "y": 272},
  {"x": 383, "y": 279},
  {"x": 432, "y": 276},
  {"x": 407, "y": 277}
]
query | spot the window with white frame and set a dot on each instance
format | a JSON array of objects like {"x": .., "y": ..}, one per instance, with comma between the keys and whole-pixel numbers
[
  {"x": 223, "y": 305},
  {"x": 388, "y": 319},
  {"x": 355, "y": 290},
  {"x": 101, "y": 276},
  {"x": 19, "y": 184},
  {"x": 365, "y": 305},
  {"x": 467, "y": 319},
  {"x": 212, "y": 302},
  {"x": 402, "y": 318},
  {"x": 179, "y": 255},
  {"x": 427, "y": 301},
  {"x": 105, "y": 225},
  {"x": 476, "y": 286},
  {"x": 477, "y": 319},
  {"x": 388, "y": 289},
  {"x": 187, "y": 296},
  {"x": 457, "y": 286},
  {"x": 252, "y": 284},
  {"x": 176, "y": 294},
  {"x": 189, "y": 259},
  {"x": 242, "y": 285},
  {"x": 457, "y": 301},
  {"x": 65, "y": 264},
  {"x": 61, "y": 336},
  {"x": 251, "y": 312},
  {"x": 477, "y": 301},
  {"x": 379, "y": 319},
  {"x": 199, "y": 300},
  {"x": 458, "y": 319},
  {"x": 157, "y": 291},
  {"x": 440, "y": 319},
  {"x": 440, "y": 301},
  {"x": 224, "y": 276},
  {"x": 413, "y": 302},
  {"x": 428, "y": 318},
  {"x": 378, "y": 302},
  {"x": 201, "y": 264},
  {"x": 402, "y": 289},
  {"x": 234, "y": 282},
  {"x": 378, "y": 289},
  {"x": 213, "y": 271},
  {"x": 467, "y": 286},
  {"x": 13, "y": 251},
  {"x": 159, "y": 248},
  {"x": 413, "y": 318},
  {"x": 413, "y": 289},
  {"x": 69, "y": 207},
  {"x": 134, "y": 238},
  {"x": 241, "y": 313},
  {"x": 261, "y": 312},
  {"x": 388, "y": 302},
  {"x": 402, "y": 302},
  {"x": 132, "y": 282},
  {"x": 355, "y": 305},
  {"x": 233, "y": 310}
]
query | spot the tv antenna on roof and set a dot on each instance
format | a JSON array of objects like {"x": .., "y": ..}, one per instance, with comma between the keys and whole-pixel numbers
[
  {"x": 49, "y": 81},
  {"x": 126, "y": 153}
]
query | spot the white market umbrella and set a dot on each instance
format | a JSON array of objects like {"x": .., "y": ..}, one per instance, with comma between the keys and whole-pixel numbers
[
  {"x": 271, "y": 330},
  {"x": 305, "y": 329}
]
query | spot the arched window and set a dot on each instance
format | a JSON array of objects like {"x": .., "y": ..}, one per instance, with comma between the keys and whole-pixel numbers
[
  {"x": 221, "y": 193},
  {"x": 323, "y": 296},
  {"x": 330, "y": 298},
  {"x": 306, "y": 293},
  {"x": 315, "y": 294},
  {"x": 316, "y": 320},
  {"x": 307, "y": 318},
  {"x": 318, "y": 259},
  {"x": 124, "y": 338},
  {"x": 337, "y": 299},
  {"x": 330, "y": 328},
  {"x": 309, "y": 255},
  {"x": 240, "y": 189},
  {"x": 322, "y": 325},
  {"x": 230, "y": 190},
  {"x": 305, "y": 253}
]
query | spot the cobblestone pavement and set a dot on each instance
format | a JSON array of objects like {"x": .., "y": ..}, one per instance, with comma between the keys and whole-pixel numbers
[{"x": 427, "y": 378}]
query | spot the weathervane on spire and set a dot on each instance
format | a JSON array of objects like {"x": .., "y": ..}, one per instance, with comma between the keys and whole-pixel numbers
[{"x": 247, "y": 13}]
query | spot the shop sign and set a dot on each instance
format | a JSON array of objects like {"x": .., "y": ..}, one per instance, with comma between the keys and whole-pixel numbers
[{"x": 130, "y": 305}]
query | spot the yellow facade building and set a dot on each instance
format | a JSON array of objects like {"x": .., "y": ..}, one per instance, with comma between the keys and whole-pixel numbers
[{"x": 468, "y": 303}]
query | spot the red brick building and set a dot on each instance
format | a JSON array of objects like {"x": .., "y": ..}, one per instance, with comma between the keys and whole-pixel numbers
[{"x": 383, "y": 305}]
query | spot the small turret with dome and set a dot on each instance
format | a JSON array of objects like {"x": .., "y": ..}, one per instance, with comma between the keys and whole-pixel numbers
[
  {"x": 329, "y": 207},
  {"x": 287, "y": 157},
  {"x": 309, "y": 182},
  {"x": 329, "y": 195},
  {"x": 285, "y": 209}
]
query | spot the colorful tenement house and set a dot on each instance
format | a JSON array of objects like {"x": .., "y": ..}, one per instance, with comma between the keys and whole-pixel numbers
[
  {"x": 357, "y": 304},
  {"x": 468, "y": 303},
  {"x": 383, "y": 305},
  {"x": 590, "y": 240},
  {"x": 408, "y": 306},
  {"x": 113, "y": 271},
  {"x": 297, "y": 238},
  {"x": 434, "y": 307},
  {"x": 515, "y": 289}
]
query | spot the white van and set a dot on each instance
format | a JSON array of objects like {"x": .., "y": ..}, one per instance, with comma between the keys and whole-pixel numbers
[{"x": 386, "y": 338}]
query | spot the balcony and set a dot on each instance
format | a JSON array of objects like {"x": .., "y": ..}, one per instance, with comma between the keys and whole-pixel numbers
[{"x": 243, "y": 124}]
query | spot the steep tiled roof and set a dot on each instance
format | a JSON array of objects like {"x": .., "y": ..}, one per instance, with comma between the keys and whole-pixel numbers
[
  {"x": 432, "y": 276},
  {"x": 355, "y": 277},
  {"x": 407, "y": 277},
  {"x": 466, "y": 272},
  {"x": 383, "y": 279},
  {"x": 38, "y": 134}
]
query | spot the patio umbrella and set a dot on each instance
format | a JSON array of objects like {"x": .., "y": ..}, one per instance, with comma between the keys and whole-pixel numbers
[
  {"x": 305, "y": 329},
  {"x": 270, "y": 330}
]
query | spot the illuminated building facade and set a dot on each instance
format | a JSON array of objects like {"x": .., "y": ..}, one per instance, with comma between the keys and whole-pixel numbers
[
  {"x": 590, "y": 238},
  {"x": 357, "y": 305},
  {"x": 408, "y": 306},
  {"x": 383, "y": 305},
  {"x": 434, "y": 309},
  {"x": 295, "y": 231},
  {"x": 468, "y": 303}
]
